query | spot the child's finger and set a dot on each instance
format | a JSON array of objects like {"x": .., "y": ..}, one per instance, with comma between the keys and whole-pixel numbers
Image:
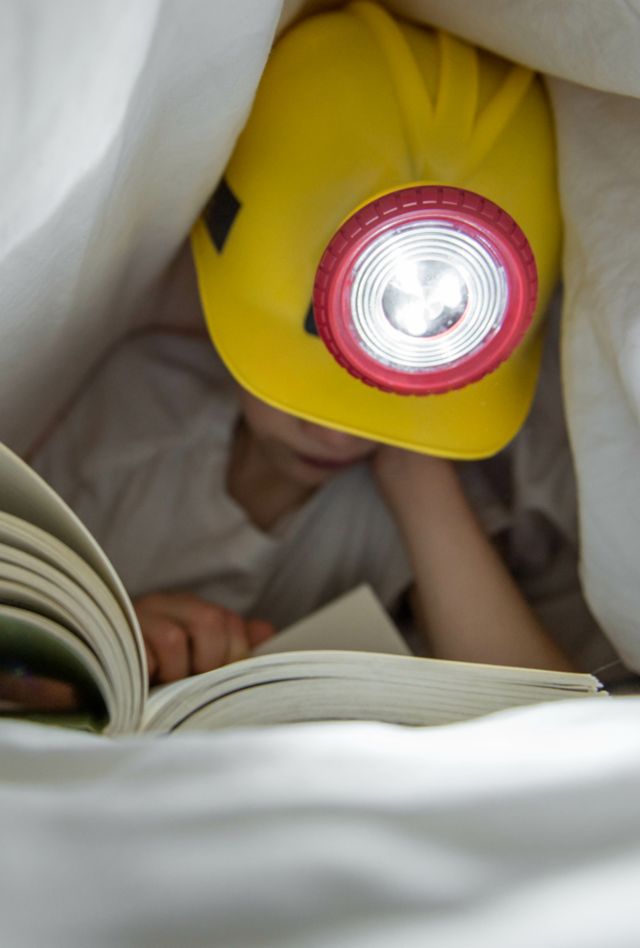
[
  {"x": 169, "y": 644},
  {"x": 209, "y": 639},
  {"x": 34, "y": 693},
  {"x": 238, "y": 640},
  {"x": 258, "y": 631}
]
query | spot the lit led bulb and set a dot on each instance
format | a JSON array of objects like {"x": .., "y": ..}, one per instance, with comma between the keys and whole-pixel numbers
[{"x": 425, "y": 297}]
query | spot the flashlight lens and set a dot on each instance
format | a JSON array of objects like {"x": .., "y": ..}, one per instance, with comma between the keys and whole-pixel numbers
[{"x": 425, "y": 295}]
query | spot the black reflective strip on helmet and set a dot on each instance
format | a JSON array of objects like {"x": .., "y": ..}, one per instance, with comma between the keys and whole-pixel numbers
[{"x": 220, "y": 213}]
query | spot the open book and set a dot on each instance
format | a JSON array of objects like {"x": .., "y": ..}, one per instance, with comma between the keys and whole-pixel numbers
[{"x": 64, "y": 613}]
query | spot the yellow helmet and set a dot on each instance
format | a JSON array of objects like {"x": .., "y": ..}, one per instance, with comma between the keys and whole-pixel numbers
[{"x": 411, "y": 177}]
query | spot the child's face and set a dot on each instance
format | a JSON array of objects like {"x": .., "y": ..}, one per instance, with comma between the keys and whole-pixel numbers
[{"x": 304, "y": 452}]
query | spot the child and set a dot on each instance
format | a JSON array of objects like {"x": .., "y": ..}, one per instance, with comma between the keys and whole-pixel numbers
[
  {"x": 228, "y": 519},
  {"x": 230, "y": 511}
]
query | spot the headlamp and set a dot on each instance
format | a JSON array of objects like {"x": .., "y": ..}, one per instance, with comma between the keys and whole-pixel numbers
[{"x": 425, "y": 289}]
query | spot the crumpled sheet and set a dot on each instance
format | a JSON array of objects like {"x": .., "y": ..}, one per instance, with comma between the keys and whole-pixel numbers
[
  {"x": 520, "y": 829},
  {"x": 118, "y": 119}
]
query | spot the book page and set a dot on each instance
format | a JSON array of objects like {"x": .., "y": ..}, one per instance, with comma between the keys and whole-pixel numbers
[
  {"x": 27, "y": 496},
  {"x": 356, "y": 621},
  {"x": 333, "y": 685}
]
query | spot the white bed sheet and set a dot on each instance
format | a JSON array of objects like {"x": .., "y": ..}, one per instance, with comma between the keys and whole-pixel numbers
[{"x": 521, "y": 829}]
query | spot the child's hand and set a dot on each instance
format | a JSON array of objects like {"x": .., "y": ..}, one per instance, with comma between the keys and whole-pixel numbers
[
  {"x": 465, "y": 602},
  {"x": 185, "y": 635},
  {"x": 30, "y": 694}
]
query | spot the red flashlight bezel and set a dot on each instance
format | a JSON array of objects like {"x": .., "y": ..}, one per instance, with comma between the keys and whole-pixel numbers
[{"x": 476, "y": 216}]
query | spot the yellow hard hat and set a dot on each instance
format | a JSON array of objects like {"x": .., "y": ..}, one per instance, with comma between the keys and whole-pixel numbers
[{"x": 411, "y": 178}]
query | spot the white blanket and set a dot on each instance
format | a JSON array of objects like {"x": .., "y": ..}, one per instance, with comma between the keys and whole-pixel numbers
[{"x": 520, "y": 829}]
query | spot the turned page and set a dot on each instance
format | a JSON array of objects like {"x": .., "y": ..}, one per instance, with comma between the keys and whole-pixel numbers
[{"x": 356, "y": 622}]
